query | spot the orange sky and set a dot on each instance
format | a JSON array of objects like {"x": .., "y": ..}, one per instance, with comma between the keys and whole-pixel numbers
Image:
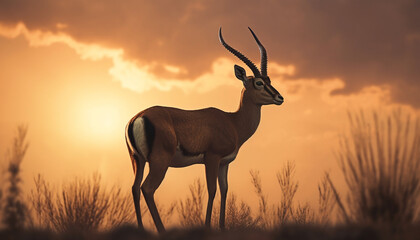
[{"x": 77, "y": 89}]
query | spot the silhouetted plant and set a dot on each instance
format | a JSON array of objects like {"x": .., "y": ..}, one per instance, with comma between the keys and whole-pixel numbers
[
  {"x": 303, "y": 214},
  {"x": 380, "y": 160},
  {"x": 191, "y": 209},
  {"x": 326, "y": 201},
  {"x": 82, "y": 205},
  {"x": 238, "y": 216},
  {"x": 265, "y": 215},
  {"x": 15, "y": 212},
  {"x": 288, "y": 190},
  {"x": 1, "y": 190},
  {"x": 166, "y": 213},
  {"x": 284, "y": 212}
]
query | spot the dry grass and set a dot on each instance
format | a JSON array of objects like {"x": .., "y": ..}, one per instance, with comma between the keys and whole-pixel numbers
[
  {"x": 166, "y": 213},
  {"x": 191, "y": 210},
  {"x": 265, "y": 212},
  {"x": 81, "y": 205},
  {"x": 269, "y": 216},
  {"x": 380, "y": 160},
  {"x": 288, "y": 186},
  {"x": 326, "y": 201},
  {"x": 286, "y": 211},
  {"x": 238, "y": 214}
]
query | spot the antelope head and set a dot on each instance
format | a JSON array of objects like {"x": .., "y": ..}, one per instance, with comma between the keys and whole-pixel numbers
[{"x": 258, "y": 86}]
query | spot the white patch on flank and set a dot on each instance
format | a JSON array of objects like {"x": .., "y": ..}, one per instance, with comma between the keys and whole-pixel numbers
[{"x": 140, "y": 137}]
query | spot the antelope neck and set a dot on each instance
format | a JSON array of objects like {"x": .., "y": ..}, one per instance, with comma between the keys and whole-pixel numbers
[{"x": 246, "y": 118}]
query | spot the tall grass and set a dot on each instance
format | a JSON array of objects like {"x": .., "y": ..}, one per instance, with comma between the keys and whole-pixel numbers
[
  {"x": 81, "y": 205},
  {"x": 288, "y": 186},
  {"x": 326, "y": 201},
  {"x": 166, "y": 212},
  {"x": 285, "y": 211},
  {"x": 265, "y": 215},
  {"x": 380, "y": 161},
  {"x": 239, "y": 215},
  {"x": 15, "y": 212},
  {"x": 191, "y": 210}
]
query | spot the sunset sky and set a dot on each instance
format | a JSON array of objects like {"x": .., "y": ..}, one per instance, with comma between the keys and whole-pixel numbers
[{"x": 76, "y": 71}]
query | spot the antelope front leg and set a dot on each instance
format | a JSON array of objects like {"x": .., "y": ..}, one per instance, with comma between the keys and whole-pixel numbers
[
  {"x": 223, "y": 185},
  {"x": 211, "y": 162}
]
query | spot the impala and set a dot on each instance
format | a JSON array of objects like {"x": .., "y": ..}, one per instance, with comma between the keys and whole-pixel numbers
[{"x": 169, "y": 137}]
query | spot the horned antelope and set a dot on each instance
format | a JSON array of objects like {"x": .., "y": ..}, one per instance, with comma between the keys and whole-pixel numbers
[{"x": 169, "y": 137}]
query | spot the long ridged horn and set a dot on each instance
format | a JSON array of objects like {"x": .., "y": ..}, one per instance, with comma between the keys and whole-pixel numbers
[
  {"x": 263, "y": 54},
  {"x": 244, "y": 59}
]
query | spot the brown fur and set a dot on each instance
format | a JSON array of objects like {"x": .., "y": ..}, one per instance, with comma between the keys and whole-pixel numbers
[
  {"x": 208, "y": 131},
  {"x": 211, "y": 135}
]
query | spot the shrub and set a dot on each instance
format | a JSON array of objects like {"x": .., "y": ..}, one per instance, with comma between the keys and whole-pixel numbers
[
  {"x": 238, "y": 214},
  {"x": 14, "y": 211},
  {"x": 286, "y": 212},
  {"x": 191, "y": 209},
  {"x": 81, "y": 205},
  {"x": 380, "y": 161}
]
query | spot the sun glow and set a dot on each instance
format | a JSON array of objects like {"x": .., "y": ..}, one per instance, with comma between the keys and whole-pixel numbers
[{"x": 99, "y": 121}]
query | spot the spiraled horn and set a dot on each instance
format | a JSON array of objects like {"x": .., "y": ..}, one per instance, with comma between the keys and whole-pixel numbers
[
  {"x": 263, "y": 54},
  {"x": 244, "y": 59}
]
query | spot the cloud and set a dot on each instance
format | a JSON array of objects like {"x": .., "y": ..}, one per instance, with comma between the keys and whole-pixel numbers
[
  {"x": 130, "y": 75},
  {"x": 365, "y": 43}
]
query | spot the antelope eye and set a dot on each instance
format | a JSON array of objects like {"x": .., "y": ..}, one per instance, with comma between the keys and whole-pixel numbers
[{"x": 258, "y": 83}]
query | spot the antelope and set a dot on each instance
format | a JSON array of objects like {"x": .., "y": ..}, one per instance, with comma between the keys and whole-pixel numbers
[{"x": 170, "y": 137}]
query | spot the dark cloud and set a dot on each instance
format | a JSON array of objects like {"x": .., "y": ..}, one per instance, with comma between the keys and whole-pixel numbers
[{"x": 363, "y": 42}]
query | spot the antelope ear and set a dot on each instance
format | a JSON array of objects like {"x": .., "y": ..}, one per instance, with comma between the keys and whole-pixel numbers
[{"x": 240, "y": 73}]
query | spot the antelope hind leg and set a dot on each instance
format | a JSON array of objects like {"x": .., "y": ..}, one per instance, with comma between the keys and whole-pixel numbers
[
  {"x": 153, "y": 180},
  {"x": 136, "y": 188}
]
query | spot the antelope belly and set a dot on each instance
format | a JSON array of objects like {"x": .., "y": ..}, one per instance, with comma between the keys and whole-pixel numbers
[
  {"x": 229, "y": 158},
  {"x": 181, "y": 160}
]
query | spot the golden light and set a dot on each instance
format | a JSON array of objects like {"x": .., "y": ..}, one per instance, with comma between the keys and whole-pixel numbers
[{"x": 99, "y": 121}]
